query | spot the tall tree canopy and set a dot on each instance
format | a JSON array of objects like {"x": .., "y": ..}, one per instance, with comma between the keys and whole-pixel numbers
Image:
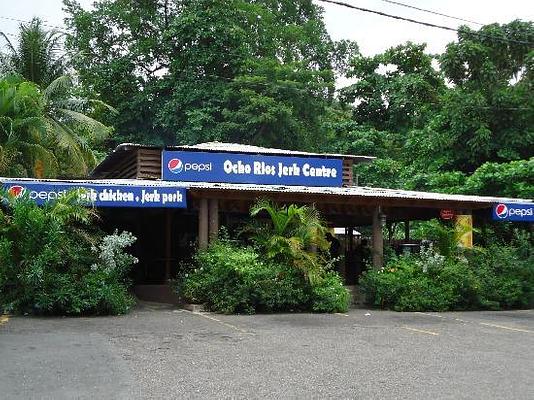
[
  {"x": 186, "y": 71},
  {"x": 461, "y": 122}
]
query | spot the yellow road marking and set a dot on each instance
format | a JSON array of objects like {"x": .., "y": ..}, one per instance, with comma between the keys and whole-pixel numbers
[
  {"x": 4, "y": 319},
  {"x": 421, "y": 331},
  {"x": 506, "y": 327},
  {"x": 222, "y": 322}
]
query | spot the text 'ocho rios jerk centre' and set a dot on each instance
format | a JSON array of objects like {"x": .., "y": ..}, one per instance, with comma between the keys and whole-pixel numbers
[{"x": 175, "y": 199}]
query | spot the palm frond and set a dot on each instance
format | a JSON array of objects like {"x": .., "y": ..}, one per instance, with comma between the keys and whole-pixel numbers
[
  {"x": 59, "y": 87},
  {"x": 96, "y": 130}
]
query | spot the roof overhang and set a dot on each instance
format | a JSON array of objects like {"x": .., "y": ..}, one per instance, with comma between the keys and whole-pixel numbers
[{"x": 355, "y": 195}]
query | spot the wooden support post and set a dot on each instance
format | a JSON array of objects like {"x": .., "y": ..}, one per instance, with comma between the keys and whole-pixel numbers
[
  {"x": 168, "y": 244},
  {"x": 213, "y": 219},
  {"x": 378, "y": 240},
  {"x": 349, "y": 255},
  {"x": 203, "y": 224},
  {"x": 407, "y": 230}
]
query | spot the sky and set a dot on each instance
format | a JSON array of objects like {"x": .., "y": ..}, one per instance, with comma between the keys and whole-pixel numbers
[{"x": 373, "y": 33}]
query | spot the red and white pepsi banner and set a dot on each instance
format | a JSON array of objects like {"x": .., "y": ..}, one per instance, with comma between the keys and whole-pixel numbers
[
  {"x": 513, "y": 212},
  {"x": 98, "y": 194}
]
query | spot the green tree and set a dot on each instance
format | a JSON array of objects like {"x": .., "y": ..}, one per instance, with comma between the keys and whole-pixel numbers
[
  {"x": 488, "y": 113},
  {"x": 70, "y": 130},
  {"x": 25, "y": 148},
  {"x": 197, "y": 70},
  {"x": 466, "y": 128},
  {"x": 394, "y": 91},
  {"x": 38, "y": 56}
]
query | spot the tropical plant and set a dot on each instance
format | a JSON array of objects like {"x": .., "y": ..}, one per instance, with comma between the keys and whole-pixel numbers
[
  {"x": 25, "y": 148},
  {"x": 71, "y": 133},
  {"x": 292, "y": 234},
  {"x": 53, "y": 260},
  {"x": 231, "y": 278},
  {"x": 38, "y": 56},
  {"x": 500, "y": 276},
  {"x": 71, "y": 128}
]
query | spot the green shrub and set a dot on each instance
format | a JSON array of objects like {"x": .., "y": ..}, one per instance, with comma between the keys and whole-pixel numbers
[
  {"x": 233, "y": 279},
  {"x": 230, "y": 278},
  {"x": 499, "y": 277},
  {"x": 52, "y": 261},
  {"x": 424, "y": 283},
  {"x": 329, "y": 294},
  {"x": 506, "y": 274}
]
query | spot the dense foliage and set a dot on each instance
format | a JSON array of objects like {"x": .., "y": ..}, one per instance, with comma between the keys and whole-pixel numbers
[
  {"x": 52, "y": 261},
  {"x": 498, "y": 277},
  {"x": 231, "y": 278},
  {"x": 47, "y": 128},
  {"x": 466, "y": 127},
  {"x": 263, "y": 72},
  {"x": 258, "y": 72},
  {"x": 288, "y": 269},
  {"x": 289, "y": 234}
]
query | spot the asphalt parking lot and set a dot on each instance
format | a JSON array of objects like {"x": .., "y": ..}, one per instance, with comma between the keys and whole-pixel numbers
[{"x": 159, "y": 352}]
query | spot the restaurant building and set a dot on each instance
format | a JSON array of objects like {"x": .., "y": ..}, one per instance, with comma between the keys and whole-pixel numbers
[{"x": 176, "y": 198}]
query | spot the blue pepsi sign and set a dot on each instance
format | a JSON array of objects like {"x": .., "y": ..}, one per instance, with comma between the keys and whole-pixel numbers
[
  {"x": 100, "y": 195},
  {"x": 513, "y": 212},
  {"x": 251, "y": 168}
]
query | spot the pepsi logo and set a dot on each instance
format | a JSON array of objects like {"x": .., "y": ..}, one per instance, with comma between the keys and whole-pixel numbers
[
  {"x": 175, "y": 165},
  {"x": 16, "y": 191},
  {"x": 501, "y": 210}
]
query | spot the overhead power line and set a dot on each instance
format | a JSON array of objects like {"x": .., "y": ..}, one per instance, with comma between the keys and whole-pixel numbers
[
  {"x": 415, "y": 21},
  {"x": 431, "y": 12},
  {"x": 22, "y": 21}
]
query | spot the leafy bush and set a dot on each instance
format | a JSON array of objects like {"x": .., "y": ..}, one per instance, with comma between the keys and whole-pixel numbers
[
  {"x": 230, "y": 278},
  {"x": 506, "y": 274},
  {"x": 329, "y": 294},
  {"x": 233, "y": 279},
  {"x": 499, "y": 277},
  {"x": 52, "y": 261},
  {"x": 428, "y": 282}
]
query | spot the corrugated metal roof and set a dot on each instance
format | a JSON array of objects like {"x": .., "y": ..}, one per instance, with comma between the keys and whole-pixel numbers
[
  {"x": 249, "y": 149},
  {"x": 353, "y": 191},
  {"x": 113, "y": 157}
]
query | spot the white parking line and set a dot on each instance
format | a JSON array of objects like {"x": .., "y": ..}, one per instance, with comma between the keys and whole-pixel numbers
[
  {"x": 420, "y": 331},
  {"x": 226, "y": 324},
  {"x": 509, "y": 328}
]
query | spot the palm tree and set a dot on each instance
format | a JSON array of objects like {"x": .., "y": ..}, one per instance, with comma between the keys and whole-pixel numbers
[
  {"x": 70, "y": 128},
  {"x": 37, "y": 55},
  {"x": 70, "y": 131},
  {"x": 294, "y": 234},
  {"x": 24, "y": 145}
]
